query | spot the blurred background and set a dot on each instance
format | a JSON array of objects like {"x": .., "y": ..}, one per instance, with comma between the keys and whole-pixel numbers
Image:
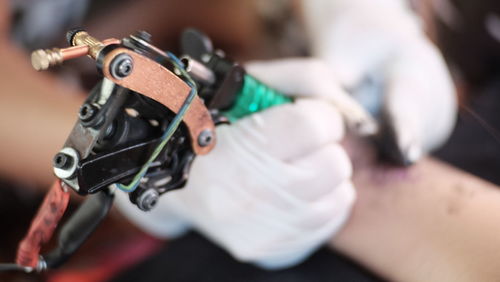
[{"x": 467, "y": 32}]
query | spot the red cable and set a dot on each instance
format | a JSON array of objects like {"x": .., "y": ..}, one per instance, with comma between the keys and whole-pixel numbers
[{"x": 43, "y": 225}]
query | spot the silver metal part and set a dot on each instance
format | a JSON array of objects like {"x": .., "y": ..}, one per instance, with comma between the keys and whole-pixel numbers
[
  {"x": 26, "y": 269},
  {"x": 121, "y": 66},
  {"x": 68, "y": 172},
  {"x": 42, "y": 265},
  {"x": 198, "y": 71},
  {"x": 107, "y": 87},
  {"x": 206, "y": 137},
  {"x": 148, "y": 199},
  {"x": 162, "y": 182}
]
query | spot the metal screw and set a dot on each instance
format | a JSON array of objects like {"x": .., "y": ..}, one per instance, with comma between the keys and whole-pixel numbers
[
  {"x": 205, "y": 138},
  {"x": 121, "y": 66},
  {"x": 87, "y": 112},
  {"x": 44, "y": 59},
  {"x": 148, "y": 199},
  {"x": 62, "y": 161},
  {"x": 65, "y": 163},
  {"x": 42, "y": 264}
]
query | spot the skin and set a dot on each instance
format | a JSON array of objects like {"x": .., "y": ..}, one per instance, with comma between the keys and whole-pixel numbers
[
  {"x": 431, "y": 222},
  {"x": 28, "y": 147},
  {"x": 26, "y": 96}
]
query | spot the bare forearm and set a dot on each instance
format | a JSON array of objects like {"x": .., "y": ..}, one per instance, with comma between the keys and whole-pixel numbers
[
  {"x": 432, "y": 223},
  {"x": 37, "y": 113}
]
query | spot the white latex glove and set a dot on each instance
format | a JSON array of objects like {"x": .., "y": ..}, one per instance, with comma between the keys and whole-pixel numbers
[
  {"x": 380, "y": 41},
  {"x": 277, "y": 184}
]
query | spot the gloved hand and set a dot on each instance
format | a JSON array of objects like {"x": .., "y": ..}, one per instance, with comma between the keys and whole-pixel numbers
[
  {"x": 378, "y": 45},
  {"x": 277, "y": 184}
]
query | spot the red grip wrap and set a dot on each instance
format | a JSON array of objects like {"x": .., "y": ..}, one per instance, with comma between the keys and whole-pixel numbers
[{"x": 43, "y": 225}]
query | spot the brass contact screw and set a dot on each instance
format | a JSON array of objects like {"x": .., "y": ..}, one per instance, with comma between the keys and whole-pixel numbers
[
  {"x": 82, "y": 45},
  {"x": 43, "y": 59}
]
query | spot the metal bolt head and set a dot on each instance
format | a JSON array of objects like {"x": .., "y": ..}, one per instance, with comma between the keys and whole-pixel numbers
[
  {"x": 125, "y": 67},
  {"x": 148, "y": 199},
  {"x": 62, "y": 161},
  {"x": 87, "y": 112},
  {"x": 205, "y": 138},
  {"x": 65, "y": 163},
  {"x": 121, "y": 66}
]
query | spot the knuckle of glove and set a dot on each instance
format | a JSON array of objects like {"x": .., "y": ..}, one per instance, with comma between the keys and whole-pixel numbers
[{"x": 323, "y": 170}]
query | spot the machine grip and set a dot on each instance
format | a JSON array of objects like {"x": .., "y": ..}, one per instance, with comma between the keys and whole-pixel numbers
[
  {"x": 50, "y": 212},
  {"x": 254, "y": 97}
]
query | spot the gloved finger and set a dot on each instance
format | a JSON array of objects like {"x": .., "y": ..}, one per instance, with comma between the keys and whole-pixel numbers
[
  {"x": 308, "y": 77},
  {"x": 273, "y": 243},
  {"x": 308, "y": 238},
  {"x": 351, "y": 51},
  {"x": 321, "y": 199},
  {"x": 357, "y": 37},
  {"x": 310, "y": 194},
  {"x": 315, "y": 195},
  {"x": 327, "y": 167},
  {"x": 289, "y": 131},
  {"x": 420, "y": 100},
  {"x": 307, "y": 190}
]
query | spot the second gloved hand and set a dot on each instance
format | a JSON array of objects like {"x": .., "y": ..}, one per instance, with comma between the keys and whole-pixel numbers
[
  {"x": 277, "y": 184},
  {"x": 378, "y": 51}
]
